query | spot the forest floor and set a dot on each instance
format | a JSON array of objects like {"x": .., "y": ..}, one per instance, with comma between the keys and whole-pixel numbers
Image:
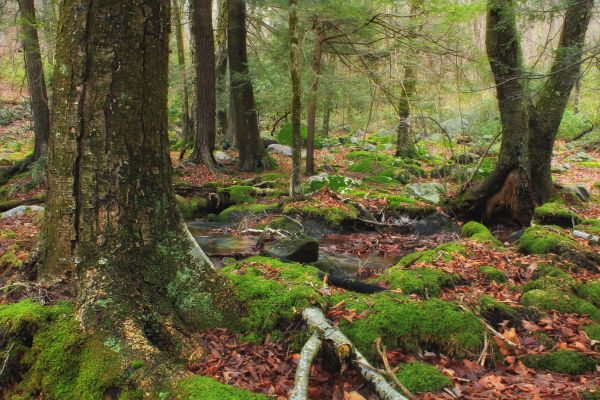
[{"x": 517, "y": 326}]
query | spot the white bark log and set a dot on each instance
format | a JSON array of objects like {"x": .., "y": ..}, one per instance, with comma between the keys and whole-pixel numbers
[{"x": 310, "y": 349}]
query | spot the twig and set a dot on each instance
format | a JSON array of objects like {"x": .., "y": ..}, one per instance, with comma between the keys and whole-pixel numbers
[
  {"x": 492, "y": 330},
  {"x": 388, "y": 370}
]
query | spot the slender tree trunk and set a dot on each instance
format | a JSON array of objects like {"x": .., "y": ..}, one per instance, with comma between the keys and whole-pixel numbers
[
  {"x": 326, "y": 115},
  {"x": 295, "y": 191},
  {"x": 312, "y": 98},
  {"x": 35, "y": 78},
  {"x": 577, "y": 97},
  {"x": 549, "y": 107},
  {"x": 112, "y": 228},
  {"x": 205, "y": 104},
  {"x": 221, "y": 45},
  {"x": 242, "y": 96},
  {"x": 185, "y": 112}
]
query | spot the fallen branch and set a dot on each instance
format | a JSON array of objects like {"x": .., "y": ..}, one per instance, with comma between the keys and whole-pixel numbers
[
  {"x": 310, "y": 349},
  {"x": 7, "y": 205},
  {"x": 491, "y": 329},
  {"x": 388, "y": 370},
  {"x": 346, "y": 352}
]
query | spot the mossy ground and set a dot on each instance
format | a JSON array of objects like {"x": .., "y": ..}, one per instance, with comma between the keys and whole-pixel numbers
[
  {"x": 591, "y": 226},
  {"x": 204, "y": 388},
  {"x": 492, "y": 274},
  {"x": 334, "y": 216},
  {"x": 444, "y": 252},
  {"x": 419, "y": 377},
  {"x": 191, "y": 207},
  {"x": 556, "y": 299},
  {"x": 590, "y": 291},
  {"x": 554, "y": 213},
  {"x": 423, "y": 281},
  {"x": 562, "y": 362},
  {"x": 544, "y": 240},
  {"x": 478, "y": 232}
]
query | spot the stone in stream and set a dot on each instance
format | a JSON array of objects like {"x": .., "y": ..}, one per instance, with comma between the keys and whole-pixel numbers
[
  {"x": 303, "y": 249},
  {"x": 434, "y": 223}
]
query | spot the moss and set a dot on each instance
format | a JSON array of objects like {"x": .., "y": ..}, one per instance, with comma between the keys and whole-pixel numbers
[
  {"x": 242, "y": 210},
  {"x": 591, "y": 394},
  {"x": 369, "y": 155},
  {"x": 561, "y": 282},
  {"x": 7, "y": 234},
  {"x": 489, "y": 305},
  {"x": 240, "y": 194},
  {"x": 478, "y": 232},
  {"x": 492, "y": 274},
  {"x": 334, "y": 216},
  {"x": 590, "y": 291},
  {"x": 548, "y": 270},
  {"x": 562, "y": 362},
  {"x": 408, "y": 206},
  {"x": 590, "y": 164},
  {"x": 28, "y": 315},
  {"x": 443, "y": 252},
  {"x": 419, "y": 377},
  {"x": 593, "y": 331},
  {"x": 432, "y": 324},
  {"x": 553, "y": 213},
  {"x": 205, "y": 388},
  {"x": 422, "y": 281},
  {"x": 336, "y": 183},
  {"x": 273, "y": 293},
  {"x": 544, "y": 240},
  {"x": 190, "y": 208},
  {"x": 591, "y": 226},
  {"x": 555, "y": 299},
  {"x": 10, "y": 260}
]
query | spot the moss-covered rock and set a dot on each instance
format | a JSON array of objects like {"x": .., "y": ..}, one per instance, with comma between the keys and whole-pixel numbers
[
  {"x": 544, "y": 240},
  {"x": 492, "y": 274},
  {"x": 190, "y": 208},
  {"x": 419, "y": 377},
  {"x": 239, "y": 194},
  {"x": 443, "y": 252},
  {"x": 205, "y": 388},
  {"x": 557, "y": 300},
  {"x": 554, "y": 213},
  {"x": 423, "y": 281},
  {"x": 564, "y": 283},
  {"x": 336, "y": 183},
  {"x": 334, "y": 216},
  {"x": 590, "y": 291},
  {"x": 408, "y": 206},
  {"x": 478, "y": 232},
  {"x": 273, "y": 293},
  {"x": 413, "y": 325},
  {"x": 562, "y": 362},
  {"x": 240, "y": 211}
]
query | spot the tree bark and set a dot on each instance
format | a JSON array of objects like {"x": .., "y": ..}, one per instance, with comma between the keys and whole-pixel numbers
[
  {"x": 326, "y": 115},
  {"x": 312, "y": 98},
  {"x": 35, "y": 78},
  {"x": 185, "y": 112},
  {"x": 205, "y": 104},
  {"x": 242, "y": 97},
  {"x": 112, "y": 228},
  {"x": 295, "y": 190},
  {"x": 221, "y": 45}
]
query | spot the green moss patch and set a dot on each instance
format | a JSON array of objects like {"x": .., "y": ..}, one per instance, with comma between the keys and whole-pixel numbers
[
  {"x": 408, "y": 206},
  {"x": 555, "y": 214},
  {"x": 591, "y": 226},
  {"x": 590, "y": 291},
  {"x": 334, "y": 216},
  {"x": 422, "y": 281},
  {"x": 239, "y": 194},
  {"x": 204, "y": 388},
  {"x": 557, "y": 300},
  {"x": 492, "y": 274},
  {"x": 336, "y": 183},
  {"x": 273, "y": 293},
  {"x": 544, "y": 240},
  {"x": 562, "y": 362},
  {"x": 444, "y": 252},
  {"x": 478, "y": 232},
  {"x": 419, "y": 377},
  {"x": 413, "y": 325},
  {"x": 246, "y": 210},
  {"x": 590, "y": 164},
  {"x": 593, "y": 331},
  {"x": 190, "y": 208}
]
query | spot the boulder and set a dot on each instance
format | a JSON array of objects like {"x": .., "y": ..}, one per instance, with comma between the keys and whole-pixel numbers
[
  {"x": 428, "y": 191},
  {"x": 579, "y": 191},
  {"x": 465, "y": 158},
  {"x": 302, "y": 249},
  {"x": 282, "y": 149},
  {"x": 369, "y": 147},
  {"x": 223, "y": 158},
  {"x": 268, "y": 141},
  {"x": 21, "y": 210}
]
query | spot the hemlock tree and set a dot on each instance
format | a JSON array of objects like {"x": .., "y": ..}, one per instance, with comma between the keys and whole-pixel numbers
[
  {"x": 205, "y": 104},
  {"x": 245, "y": 122},
  {"x": 295, "y": 190},
  {"x": 522, "y": 177},
  {"x": 112, "y": 229},
  {"x": 312, "y": 97}
]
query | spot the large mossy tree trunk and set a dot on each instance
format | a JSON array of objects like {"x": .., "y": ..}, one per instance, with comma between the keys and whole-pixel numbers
[
  {"x": 312, "y": 97},
  {"x": 205, "y": 104},
  {"x": 35, "y": 77},
  {"x": 112, "y": 228},
  {"x": 522, "y": 176},
  {"x": 295, "y": 190},
  {"x": 244, "y": 115}
]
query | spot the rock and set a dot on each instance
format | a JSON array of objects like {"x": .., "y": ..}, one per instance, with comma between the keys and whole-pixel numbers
[
  {"x": 559, "y": 169},
  {"x": 355, "y": 139},
  {"x": 369, "y": 147},
  {"x": 302, "y": 249},
  {"x": 223, "y": 158},
  {"x": 328, "y": 266},
  {"x": 21, "y": 210},
  {"x": 581, "y": 156},
  {"x": 432, "y": 224},
  {"x": 429, "y": 191},
  {"x": 579, "y": 191},
  {"x": 267, "y": 141},
  {"x": 517, "y": 235},
  {"x": 465, "y": 158},
  {"x": 283, "y": 150}
]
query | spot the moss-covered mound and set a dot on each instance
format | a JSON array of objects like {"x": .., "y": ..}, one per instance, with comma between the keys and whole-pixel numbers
[
  {"x": 558, "y": 300},
  {"x": 50, "y": 355},
  {"x": 334, "y": 216},
  {"x": 274, "y": 293},
  {"x": 413, "y": 325},
  {"x": 239, "y": 194},
  {"x": 419, "y": 377},
  {"x": 444, "y": 252},
  {"x": 408, "y": 206},
  {"x": 190, "y": 208},
  {"x": 544, "y": 240},
  {"x": 554, "y": 213},
  {"x": 204, "y": 388},
  {"x": 478, "y": 232},
  {"x": 562, "y": 362},
  {"x": 590, "y": 225},
  {"x": 492, "y": 274},
  {"x": 422, "y": 281},
  {"x": 246, "y": 210},
  {"x": 590, "y": 291}
]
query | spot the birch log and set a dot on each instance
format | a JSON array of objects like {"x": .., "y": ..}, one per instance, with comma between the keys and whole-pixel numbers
[{"x": 310, "y": 349}]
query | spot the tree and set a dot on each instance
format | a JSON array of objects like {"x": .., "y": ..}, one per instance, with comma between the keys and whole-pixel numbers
[
  {"x": 35, "y": 78},
  {"x": 312, "y": 98},
  {"x": 522, "y": 177},
  {"x": 205, "y": 104},
  {"x": 221, "y": 48},
  {"x": 112, "y": 228},
  {"x": 245, "y": 122},
  {"x": 295, "y": 191},
  {"x": 185, "y": 112}
]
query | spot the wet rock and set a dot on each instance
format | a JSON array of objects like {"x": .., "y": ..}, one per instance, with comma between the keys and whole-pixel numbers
[
  {"x": 21, "y": 210},
  {"x": 434, "y": 223},
  {"x": 302, "y": 249}
]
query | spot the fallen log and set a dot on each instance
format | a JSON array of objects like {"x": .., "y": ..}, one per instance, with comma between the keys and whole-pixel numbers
[
  {"x": 348, "y": 354},
  {"x": 351, "y": 284},
  {"x": 308, "y": 353},
  {"x": 7, "y": 205}
]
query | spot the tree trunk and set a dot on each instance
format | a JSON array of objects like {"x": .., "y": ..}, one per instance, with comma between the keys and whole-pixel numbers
[
  {"x": 295, "y": 191},
  {"x": 112, "y": 228},
  {"x": 242, "y": 97},
  {"x": 185, "y": 112},
  {"x": 205, "y": 104},
  {"x": 312, "y": 98},
  {"x": 548, "y": 109},
  {"x": 35, "y": 78},
  {"x": 326, "y": 115},
  {"x": 221, "y": 45}
]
